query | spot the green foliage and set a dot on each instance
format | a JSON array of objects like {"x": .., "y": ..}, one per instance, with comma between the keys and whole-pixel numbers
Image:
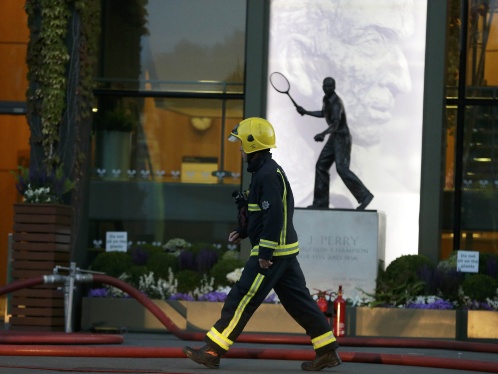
[
  {"x": 449, "y": 281},
  {"x": 134, "y": 273},
  {"x": 400, "y": 281},
  {"x": 413, "y": 279},
  {"x": 405, "y": 268},
  {"x": 392, "y": 293},
  {"x": 112, "y": 263},
  {"x": 450, "y": 262},
  {"x": 116, "y": 120},
  {"x": 151, "y": 249},
  {"x": 488, "y": 264},
  {"x": 160, "y": 262},
  {"x": 177, "y": 244},
  {"x": 220, "y": 270},
  {"x": 479, "y": 287},
  {"x": 54, "y": 80},
  {"x": 197, "y": 247},
  {"x": 188, "y": 280},
  {"x": 89, "y": 49},
  {"x": 231, "y": 255},
  {"x": 62, "y": 51},
  {"x": 42, "y": 186}
]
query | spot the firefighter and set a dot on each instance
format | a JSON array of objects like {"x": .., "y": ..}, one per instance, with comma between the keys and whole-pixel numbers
[{"x": 273, "y": 260}]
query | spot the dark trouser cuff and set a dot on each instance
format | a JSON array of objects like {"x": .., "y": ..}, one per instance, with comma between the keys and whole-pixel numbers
[{"x": 327, "y": 348}]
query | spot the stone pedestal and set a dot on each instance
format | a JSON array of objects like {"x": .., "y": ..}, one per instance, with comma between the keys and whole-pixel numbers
[{"x": 340, "y": 247}]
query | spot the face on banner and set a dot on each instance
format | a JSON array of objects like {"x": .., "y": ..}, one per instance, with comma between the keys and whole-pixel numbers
[{"x": 375, "y": 51}]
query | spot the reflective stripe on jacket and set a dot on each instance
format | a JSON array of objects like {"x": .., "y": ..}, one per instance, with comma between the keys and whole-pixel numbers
[{"x": 270, "y": 210}]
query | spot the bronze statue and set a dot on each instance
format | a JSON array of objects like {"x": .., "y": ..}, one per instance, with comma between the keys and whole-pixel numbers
[{"x": 337, "y": 149}]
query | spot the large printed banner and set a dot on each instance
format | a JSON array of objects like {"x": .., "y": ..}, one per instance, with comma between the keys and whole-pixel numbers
[{"x": 375, "y": 51}]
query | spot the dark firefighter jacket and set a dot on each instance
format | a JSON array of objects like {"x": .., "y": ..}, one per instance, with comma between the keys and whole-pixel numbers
[{"x": 270, "y": 210}]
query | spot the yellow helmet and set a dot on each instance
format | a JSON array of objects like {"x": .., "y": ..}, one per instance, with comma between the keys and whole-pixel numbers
[{"x": 255, "y": 134}]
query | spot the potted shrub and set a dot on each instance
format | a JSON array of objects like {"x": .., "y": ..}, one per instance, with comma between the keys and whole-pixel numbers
[
  {"x": 114, "y": 141},
  {"x": 414, "y": 298}
]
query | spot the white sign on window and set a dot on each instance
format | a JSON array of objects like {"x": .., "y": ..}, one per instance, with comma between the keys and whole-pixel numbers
[
  {"x": 116, "y": 241},
  {"x": 468, "y": 261}
]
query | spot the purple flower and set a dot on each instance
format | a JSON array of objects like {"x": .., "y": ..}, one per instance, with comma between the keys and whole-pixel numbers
[
  {"x": 98, "y": 292},
  {"x": 186, "y": 261},
  {"x": 181, "y": 296},
  {"x": 477, "y": 305},
  {"x": 270, "y": 298},
  {"x": 213, "y": 296},
  {"x": 206, "y": 258},
  {"x": 37, "y": 178},
  {"x": 438, "y": 304},
  {"x": 139, "y": 256}
]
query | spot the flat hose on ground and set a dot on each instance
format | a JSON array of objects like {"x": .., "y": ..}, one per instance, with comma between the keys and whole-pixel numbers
[
  {"x": 250, "y": 353},
  {"x": 274, "y": 354}
]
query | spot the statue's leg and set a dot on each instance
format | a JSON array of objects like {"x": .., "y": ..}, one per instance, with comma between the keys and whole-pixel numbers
[
  {"x": 343, "y": 159},
  {"x": 322, "y": 176}
]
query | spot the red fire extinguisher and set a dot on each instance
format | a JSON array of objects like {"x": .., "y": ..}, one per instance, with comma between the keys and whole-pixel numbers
[
  {"x": 322, "y": 302},
  {"x": 339, "y": 320}
]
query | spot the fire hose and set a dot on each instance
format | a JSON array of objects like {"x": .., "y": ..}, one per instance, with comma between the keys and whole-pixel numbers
[{"x": 75, "y": 277}]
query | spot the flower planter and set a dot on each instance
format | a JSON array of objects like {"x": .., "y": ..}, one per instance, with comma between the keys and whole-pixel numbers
[
  {"x": 272, "y": 318},
  {"x": 41, "y": 241},
  {"x": 407, "y": 323},
  {"x": 107, "y": 313},
  {"x": 482, "y": 324}
]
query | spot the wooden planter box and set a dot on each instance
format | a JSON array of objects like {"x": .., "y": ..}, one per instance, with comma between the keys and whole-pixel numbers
[
  {"x": 105, "y": 313},
  {"x": 422, "y": 323},
  {"x": 272, "y": 318},
  {"x": 41, "y": 240},
  {"x": 482, "y": 324},
  {"x": 407, "y": 323}
]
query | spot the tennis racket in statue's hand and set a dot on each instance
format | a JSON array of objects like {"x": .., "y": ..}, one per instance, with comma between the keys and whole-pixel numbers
[{"x": 281, "y": 84}]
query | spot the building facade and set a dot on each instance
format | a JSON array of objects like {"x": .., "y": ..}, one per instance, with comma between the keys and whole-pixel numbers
[{"x": 175, "y": 77}]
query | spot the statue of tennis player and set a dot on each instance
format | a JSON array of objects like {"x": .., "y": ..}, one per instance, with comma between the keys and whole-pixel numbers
[{"x": 337, "y": 149}]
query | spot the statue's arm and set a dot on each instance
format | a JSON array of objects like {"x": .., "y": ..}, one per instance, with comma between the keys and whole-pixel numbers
[{"x": 315, "y": 113}]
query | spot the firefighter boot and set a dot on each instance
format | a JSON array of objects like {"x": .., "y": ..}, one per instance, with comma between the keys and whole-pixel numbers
[
  {"x": 205, "y": 356},
  {"x": 325, "y": 360}
]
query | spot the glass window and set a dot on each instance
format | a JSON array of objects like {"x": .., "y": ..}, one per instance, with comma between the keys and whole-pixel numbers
[
  {"x": 449, "y": 183},
  {"x": 171, "y": 43},
  {"x": 170, "y": 89},
  {"x": 453, "y": 51},
  {"x": 480, "y": 185},
  {"x": 482, "y": 51},
  {"x": 470, "y": 208},
  {"x": 167, "y": 140}
]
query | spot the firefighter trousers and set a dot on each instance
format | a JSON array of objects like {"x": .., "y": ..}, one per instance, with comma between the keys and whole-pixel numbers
[{"x": 286, "y": 278}]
